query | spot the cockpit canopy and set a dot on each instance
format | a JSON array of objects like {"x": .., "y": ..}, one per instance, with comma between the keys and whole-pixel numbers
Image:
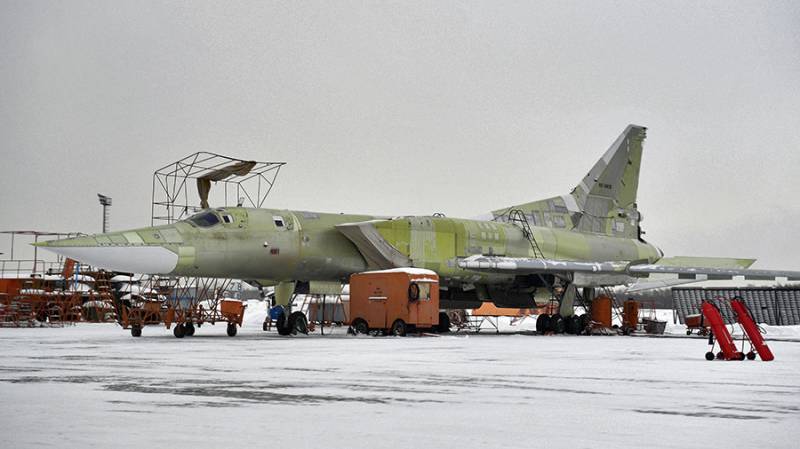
[
  {"x": 204, "y": 219},
  {"x": 208, "y": 218}
]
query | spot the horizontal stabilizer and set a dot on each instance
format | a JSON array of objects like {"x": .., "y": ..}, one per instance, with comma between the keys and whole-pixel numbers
[{"x": 710, "y": 262}]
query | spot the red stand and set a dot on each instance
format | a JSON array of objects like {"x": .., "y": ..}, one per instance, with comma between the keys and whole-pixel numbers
[
  {"x": 751, "y": 329},
  {"x": 720, "y": 331}
]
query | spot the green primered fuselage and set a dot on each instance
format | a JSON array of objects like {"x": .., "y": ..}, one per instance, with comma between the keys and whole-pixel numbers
[{"x": 273, "y": 245}]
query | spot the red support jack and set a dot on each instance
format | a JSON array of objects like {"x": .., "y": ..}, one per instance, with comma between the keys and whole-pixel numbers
[
  {"x": 720, "y": 332},
  {"x": 750, "y": 327}
]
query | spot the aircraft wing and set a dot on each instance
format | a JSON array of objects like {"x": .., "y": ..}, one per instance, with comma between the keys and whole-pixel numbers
[{"x": 725, "y": 269}]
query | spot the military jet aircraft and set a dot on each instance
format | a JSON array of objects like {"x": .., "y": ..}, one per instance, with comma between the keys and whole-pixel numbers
[{"x": 588, "y": 238}]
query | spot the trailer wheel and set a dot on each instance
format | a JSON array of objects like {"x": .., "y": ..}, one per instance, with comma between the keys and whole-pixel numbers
[
  {"x": 360, "y": 326},
  {"x": 751, "y": 355},
  {"x": 399, "y": 328},
  {"x": 179, "y": 331},
  {"x": 136, "y": 331},
  {"x": 232, "y": 329},
  {"x": 298, "y": 324},
  {"x": 542, "y": 323},
  {"x": 709, "y": 355},
  {"x": 188, "y": 329}
]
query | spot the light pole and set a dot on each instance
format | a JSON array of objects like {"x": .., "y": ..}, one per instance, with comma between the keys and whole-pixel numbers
[{"x": 105, "y": 201}]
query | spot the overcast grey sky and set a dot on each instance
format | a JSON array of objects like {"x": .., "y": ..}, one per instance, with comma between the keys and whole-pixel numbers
[{"x": 410, "y": 108}]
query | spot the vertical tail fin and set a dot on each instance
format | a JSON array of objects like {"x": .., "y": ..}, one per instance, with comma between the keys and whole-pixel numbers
[
  {"x": 616, "y": 175},
  {"x": 605, "y": 200}
]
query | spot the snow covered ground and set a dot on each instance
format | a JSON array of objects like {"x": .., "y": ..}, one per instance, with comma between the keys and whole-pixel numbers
[{"x": 96, "y": 386}]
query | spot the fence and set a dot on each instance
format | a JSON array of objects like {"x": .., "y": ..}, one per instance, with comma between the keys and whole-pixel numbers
[{"x": 772, "y": 306}]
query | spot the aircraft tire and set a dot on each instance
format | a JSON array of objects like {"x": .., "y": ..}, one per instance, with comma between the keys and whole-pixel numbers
[
  {"x": 282, "y": 325},
  {"x": 298, "y": 324},
  {"x": 188, "y": 329},
  {"x": 709, "y": 356},
  {"x": 542, "y": 323},
  {"x": 557, "y": 324},
  {"x": 360, "y": 326},
  {"x": 585, "y": 322},
  {"x": 751, "y": 355},
  {"x": 179, "y": 331},
  {"x": 444, "y": 323},
  {"x": 136, "y": 331},
  {"x": 569, "y": 326},
  {"x": 399, "y": 328},
  {"x": 231, "y": 330},
  {"x": 576, "y": 324}
]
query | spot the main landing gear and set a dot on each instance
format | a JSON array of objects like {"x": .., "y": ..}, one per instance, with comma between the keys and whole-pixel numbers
[
  {"x": 295, "y": 323},
  {"x": 557, "y": 324}
]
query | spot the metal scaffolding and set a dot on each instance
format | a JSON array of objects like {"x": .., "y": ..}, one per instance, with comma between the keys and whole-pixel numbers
[{"x": 244, "y": 183}]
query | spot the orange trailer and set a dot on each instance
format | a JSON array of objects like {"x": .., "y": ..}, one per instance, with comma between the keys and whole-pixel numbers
[{"x": 396, "y": 301}]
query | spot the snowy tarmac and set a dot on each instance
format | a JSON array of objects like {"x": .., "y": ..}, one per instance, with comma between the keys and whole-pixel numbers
[{"x": 96, "y": 386}]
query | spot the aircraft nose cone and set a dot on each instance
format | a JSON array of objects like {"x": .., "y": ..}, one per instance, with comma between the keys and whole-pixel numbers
[{"x": 125, "y": 252}]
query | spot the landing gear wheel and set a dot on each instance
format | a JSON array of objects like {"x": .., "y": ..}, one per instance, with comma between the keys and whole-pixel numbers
[
  {"x": 720, "y": 355},
  {"x": 360, "y": 326},
  {"x": 542, "y": 323},
  {"x": 740, "y": 356},
  {"x": 179, "y": 331},
  {"x": 569, "y": 327},
  {"x": 557, "y": 324},
  {"x": 709, "y": 355},
  {"x": 136, "y": 331},
  {"x": 444, "y": 323},
  {"x": 188, "y": 329},
  {"x": 298, "y": 324},
  {"x": 586, "y": 320},
  {"x": 232, "y": 329},
  {"x": 576, "y": 324},
  {"x": 282, "y": 325},
  {"x": 399, "y": 328},
  {"x": 751, "y": 355}
]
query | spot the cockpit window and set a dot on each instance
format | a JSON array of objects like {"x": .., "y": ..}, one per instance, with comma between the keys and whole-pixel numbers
[
  {"x": 204, "y": 219},
  {"x": 278, "y": 221}
]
